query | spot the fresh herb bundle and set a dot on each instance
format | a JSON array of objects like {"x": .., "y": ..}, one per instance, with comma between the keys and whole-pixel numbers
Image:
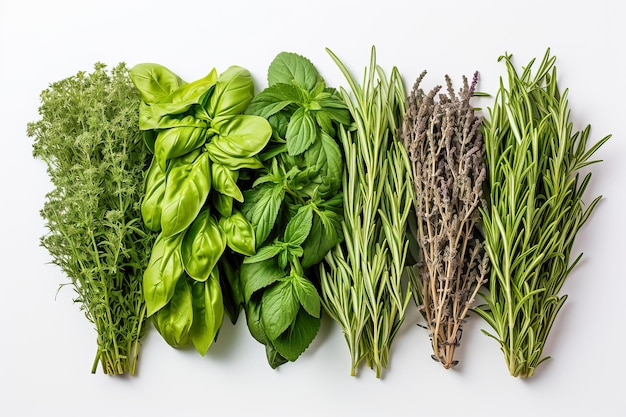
[
  {"x": 294, "y": 205},
  {"x": 88, "y": 135},
  {"x": 202, "y": 145},
  {"x": 361, "y": 280},
  {"x": 443, "y": 140},
  {"x": 536, "y": 208}
]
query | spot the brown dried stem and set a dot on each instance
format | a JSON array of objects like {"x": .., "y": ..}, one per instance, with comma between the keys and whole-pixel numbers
[{"x": 441, "y": 135}]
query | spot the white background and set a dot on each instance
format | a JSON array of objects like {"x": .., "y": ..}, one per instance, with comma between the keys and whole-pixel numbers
[{"x": 47, "y": 345}]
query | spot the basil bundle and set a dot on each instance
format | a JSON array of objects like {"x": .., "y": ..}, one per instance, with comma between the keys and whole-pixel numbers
[{"x": 202, "y": 145}]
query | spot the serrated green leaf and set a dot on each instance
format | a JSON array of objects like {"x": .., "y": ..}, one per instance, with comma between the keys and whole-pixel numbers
[
  {"x": 258, "y": 275},
  {"x": 274, "y": 99},
  {"x": 261, "y": 207},
  {"x": 299, "y": 226},
  {"x": 326, "y": 233},
  {"x": 291, "y": 68},
  {"x": 279, "y": 307},
  {"x": 298, "y": 337},
  {"x": 301, "y": 132},
  {"x": 307, "y": 295}
]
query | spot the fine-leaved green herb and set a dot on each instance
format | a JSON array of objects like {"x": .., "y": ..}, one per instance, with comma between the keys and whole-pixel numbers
[
  {"x": 442, "y": 137},
  {"x": 362, "y": 279},
  {"x": 536, "y": 208},
  {"x": 88, "y": 135}
]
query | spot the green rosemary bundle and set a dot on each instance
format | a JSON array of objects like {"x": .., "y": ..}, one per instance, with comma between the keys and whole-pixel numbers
[
  {"x": 536, "y": 208},
  {"x": 362, "y": 285},
  {"x": 88, "y": 136},
  {"x": 447, "y": 152}
]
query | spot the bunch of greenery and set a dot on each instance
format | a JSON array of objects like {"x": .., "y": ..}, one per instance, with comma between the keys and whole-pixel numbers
[
  {"x": 362, "y": 278},
  {"x": 294, "y": 205},
  {"x": 88, "y": 135},
  {"x": 441, "y": 135},
  {"x": 536, "y": 208}
]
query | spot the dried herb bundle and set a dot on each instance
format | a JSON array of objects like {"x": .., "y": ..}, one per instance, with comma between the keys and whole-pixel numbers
[
  {"x": 536, "y": 209},
  {"x": 89, "y": 138},
  {"x": 442, "y": 137},
  {"x": 362, "y": 285}
]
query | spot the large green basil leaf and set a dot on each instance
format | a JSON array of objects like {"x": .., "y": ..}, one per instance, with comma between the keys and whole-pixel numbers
[
  {"x": 257, "y": 275},
  {"x": 295, "y": 340},
  {"x": 239, "y": 233},
  {"x": 208, "y": 312},
  {"x": 154, "y": 81},
  {"x": 181, "y": 100},
  {"x": 275, "y": 98},
  {"x": 234, "y": 163},
  {"x": 261, "y": 206},
  {"x": 290, "y": 68},
  {"x": 177, "y": 141},
  {"x": 174, "y": 320},
  {"x": 202, "y": 246},
  {"x": 302, "y": 132},
  {"x": 279, "y": 308},
  {"x": 163, "y": 271},
  {"x": 187, "y": 185},
  {"x": 148, "y": 120},
  {"x": 154, "y": 189},
  {"x": 233, "y": 92},
  {"x": 242, "y": 135},
  {"x": 225, "y": 181},
  {"x": 222, "y": 203}
]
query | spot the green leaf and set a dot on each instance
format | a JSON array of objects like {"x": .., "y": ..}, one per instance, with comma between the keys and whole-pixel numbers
[
  {"x": 254, "y": 322},
  {"x": 279, "y": 307},
  {"x": 225, "y": 181},
  {"x": 202, "y": 246},
  {"x": 274, "y": 359},
  {"x": 239, "y": 233},
  {"x": 222, "y": 203},
  {"x": 208, "y": 312},
  {"x": 258, "y": 275},
  {"x": 154, "y": 189},
  {"x": 265, "y": 253},
  {"x": 233, "y": 163},
  {"x": 274, "y": 99},
  {"x": 163, "y": 271},
  {"x": 326, "y": 157},
  {"x": 301, "y": 132},
  {"x": 241, "y": 136},
  {"x": 177, "y": 141},
  {"x": 175, "y": 319},
  {"x": 326, "y": 233},
  {"x": 261, "y": 206},
  {"x": 181, "y": 99},
  {"x": 233, "y": 92},
  {"x": 187, "y": 185},
  {"x": 154, "y": 81},
  {"x": 291, "y": 68},
  {"x": 298, "y": 337},
  {"x": 299, "y": 226},
  {"x": 307, "y": 295}
]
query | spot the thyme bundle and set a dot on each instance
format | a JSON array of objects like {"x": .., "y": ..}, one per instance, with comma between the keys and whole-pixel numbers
[
  {"x": 536, "y": 208},
  {"x": 88, "y": 136},
  {"x": 446, "y": 150},
  {"x": 362, "y": 285}
]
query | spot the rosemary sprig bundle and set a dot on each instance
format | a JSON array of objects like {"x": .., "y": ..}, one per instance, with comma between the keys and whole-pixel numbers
[
  {"x": 362, "y": 286},
  {"x": 442, "y": 137},
  {"x": 88, "y": 136},
  {"x": 536, "y": 208}
]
